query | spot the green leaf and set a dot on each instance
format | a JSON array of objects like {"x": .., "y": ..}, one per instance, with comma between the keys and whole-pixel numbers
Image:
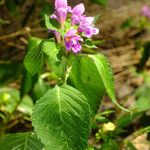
[
  {"x": 49, "y": 48},
  {"x": 52, "y": 24},
  {"x": 47, "y": 9},
  {"x": 128, "y": 23},
  {"x": 28, "y": 81},
  {"x": 34, "y": 60},
  {"x": 61, "y": 118},
  {"x": 145, "y": 56},
  {"x": 96, "y": 18},
  {"x": 26, "y": 106},
  {"x": 85, "y": 77},
  {"x": 40, "y": 89},
  {"x": 89, "y": 44},
  {"x": 105, "y": 72},
  {"x": 21, "y": 141},
  {"x": 127, "y": 119},
  {"x": 130, "y": 146},
  {"x": 33, "y": 42},
  {"x": 143, "y": 98}
]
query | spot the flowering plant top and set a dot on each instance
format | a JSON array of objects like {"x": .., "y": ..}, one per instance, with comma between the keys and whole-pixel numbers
[
  {"x": 76, "y": 26},
  {"x": 63, "y": 114}
]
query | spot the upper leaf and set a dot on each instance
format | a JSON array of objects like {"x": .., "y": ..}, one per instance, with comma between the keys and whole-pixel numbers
[
  {"x": 49, "y": 48},
  {"x": 106, "y": 74},
  {"x": 85, "y": 77},
  {"x": 33, "y": 42},
  {"x": 61, "y": 119},
  {"x": 28, "y": 81},
  {"x": 34, "y": 60},
  {"x": 51, "y": 24},
  {"x": 21, "y": 141}
]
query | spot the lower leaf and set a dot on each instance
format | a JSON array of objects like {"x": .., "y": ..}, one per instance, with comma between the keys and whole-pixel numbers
[
  {"x": 21, "y": 141},
  {"x": 61, "y": 118}
]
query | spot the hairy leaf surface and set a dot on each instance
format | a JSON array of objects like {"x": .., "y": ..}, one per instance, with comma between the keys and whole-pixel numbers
[
  {"x": 61, "y": 118},
  {"x": 21, "y": 141},
  {"x": 85, "y": 77}
]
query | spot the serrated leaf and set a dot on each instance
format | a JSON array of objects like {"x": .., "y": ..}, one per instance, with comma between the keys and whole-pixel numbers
[
  {"x": 28, "y": 81},
  {"x": 85, "y": 77},
  {"x": 21, "y": 141},
  {"x": 105, "y": 72},
  {"x": 33, "y": 42},
  {"x": 49, "y": 48},
  {"x": 61, "y": 118},
  {"x": 34, "y": 60}
]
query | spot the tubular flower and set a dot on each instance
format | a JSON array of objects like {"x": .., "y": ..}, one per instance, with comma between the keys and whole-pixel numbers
[
  {"x": 85, "y": 23},
  {"x": 77, "y": 13},
  {"x": 146, "y": 11},
  {"x": 72, "y": 41},
  {"x": 87, "y": 27},
  {"x": 61, "y": 9},
  {"x": 80, "y": 25}
]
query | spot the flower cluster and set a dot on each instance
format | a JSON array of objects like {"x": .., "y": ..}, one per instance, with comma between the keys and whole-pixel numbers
[
  {"x": 146, "y": 11},
  {"x": 81, "y": 25}
]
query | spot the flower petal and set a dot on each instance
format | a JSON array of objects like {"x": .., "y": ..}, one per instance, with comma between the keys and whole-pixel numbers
[
  {"x": 60, "y": 4},
  {"x": 71, "y": 33},
  {"x": 95, "y": 31},
  {"x": 61, "y": 13},
  {"x": 76, "y": 48},
  {"x": 53, "y": 16},
  {"x": 78, "y": 10}
]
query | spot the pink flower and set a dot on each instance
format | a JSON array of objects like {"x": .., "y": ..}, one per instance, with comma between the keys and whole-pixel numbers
[
  {"x": 87, "y": 27},
  {"x": 90, "y": 31},
  {"x": 146, "y": 11},
  {"x": 77, "y": 13},
  {"x": 61, "y": 9},
  {"x": 81, "y": 25},
  {"x": 72, "y": 41}
]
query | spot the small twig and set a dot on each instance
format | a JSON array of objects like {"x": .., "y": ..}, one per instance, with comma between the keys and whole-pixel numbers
[
  {"x": 14, "y": 45},
  {"x": 24, "y": 31}
]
